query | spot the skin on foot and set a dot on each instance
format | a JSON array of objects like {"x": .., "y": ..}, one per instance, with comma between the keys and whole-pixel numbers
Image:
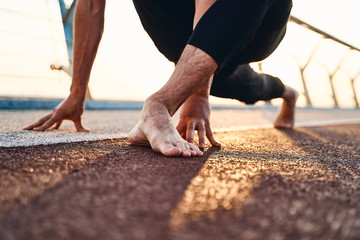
[
  {"x": 286, "y": 117},
  {"x": 155, "y": 129}
]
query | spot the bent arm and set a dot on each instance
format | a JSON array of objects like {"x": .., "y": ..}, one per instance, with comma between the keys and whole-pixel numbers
[{"x": 195, "y": 111}]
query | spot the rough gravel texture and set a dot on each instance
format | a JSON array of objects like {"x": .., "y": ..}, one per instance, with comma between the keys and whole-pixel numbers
[{"x": 262, "y": 184}]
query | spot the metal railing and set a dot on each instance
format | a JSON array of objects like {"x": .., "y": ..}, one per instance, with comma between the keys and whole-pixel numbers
[{"x": 331, "y": 75}]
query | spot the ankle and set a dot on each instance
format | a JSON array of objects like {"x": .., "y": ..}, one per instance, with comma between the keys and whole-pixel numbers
[
  {"x": 155, "y": 105},
  {"x": 290, "y": 95}
]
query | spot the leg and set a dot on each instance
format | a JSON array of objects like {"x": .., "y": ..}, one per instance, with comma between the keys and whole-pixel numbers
[
  {"x": 164, "y": 36},
  {"x": 245, "y": 85},
  {"x": 197, "y": 63},
  {"x": 236, "y": 79},
  {"x": 286, "y": 117},
  {"x": 154, "y": 127},
  {"x": 169, "y": 23}
]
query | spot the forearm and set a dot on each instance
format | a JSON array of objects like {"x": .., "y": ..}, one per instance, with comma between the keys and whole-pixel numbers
[
  {"x": 88, "y": 29},
  {"x": 203, "y": 90},
  {"x": 201, "y": 7}
]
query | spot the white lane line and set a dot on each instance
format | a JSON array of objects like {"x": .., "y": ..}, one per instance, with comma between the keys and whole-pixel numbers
[
  {"x": 297, "y": 124},
  {"x": 21, "y": 139},
  {"x": 329, "y": 122},
  {"x": 28, "y": 139}
]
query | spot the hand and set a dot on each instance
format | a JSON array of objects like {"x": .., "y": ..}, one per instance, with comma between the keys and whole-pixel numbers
[
  {"x": 70, "y": 109},
  {"x": 195, "y": 115}
]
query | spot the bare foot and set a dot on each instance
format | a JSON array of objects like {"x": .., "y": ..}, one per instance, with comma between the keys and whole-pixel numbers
[
  {"x": 286, "y": 117},
  {"x": 155, "y": 129}
]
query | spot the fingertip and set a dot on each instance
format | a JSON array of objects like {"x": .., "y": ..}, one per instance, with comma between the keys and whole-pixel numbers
[
  {"x": 183, "y": 135},
  {"x": 180, "y": 129},
  {"x": 216, "y": 144},
  {"x": 30, "y": 127},
  {"x": 83, "y": 130},
  {"x": 80, "y": 128}
]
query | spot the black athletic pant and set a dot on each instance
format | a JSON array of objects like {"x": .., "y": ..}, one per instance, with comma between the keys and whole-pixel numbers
[{"x": 233, "y": 32}]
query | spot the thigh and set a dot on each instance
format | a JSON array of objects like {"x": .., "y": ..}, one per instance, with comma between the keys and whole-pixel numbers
[
  {"x": 168, "y": 22},
  {"x": 269, "y": 35},
  {"x": 241, "y": 31},
  {"x": 228, "y": 27}
]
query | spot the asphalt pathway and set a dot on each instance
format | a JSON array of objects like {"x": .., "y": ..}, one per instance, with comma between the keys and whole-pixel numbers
[{"x": 261, "y": 184}]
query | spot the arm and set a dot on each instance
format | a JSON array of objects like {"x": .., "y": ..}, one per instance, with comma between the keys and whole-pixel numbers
[
  {"x": 195, "y": 115},
  {"x": 88, "y": 29},
  {"x": 195, "y": 112}
]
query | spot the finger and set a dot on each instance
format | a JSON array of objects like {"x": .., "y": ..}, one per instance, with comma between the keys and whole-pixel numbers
[
  {"x": 211, "y": 138},
  {"x": 79, "y": 127},
  {"x": 190, "y": 132},
  {"x": 37, "y": 123},
  {"x": 201, "y": 133},
  {"x": 181, "y": 128},
  {"x": 46, "y": 124},
  {"x": 183, "y": 135},
  {"x": 58, "y": 124}
]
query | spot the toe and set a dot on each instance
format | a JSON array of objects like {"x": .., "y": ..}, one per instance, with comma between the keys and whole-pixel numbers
[
  {"x": 197, "y": 151},
  {"x": 186, "y": 154},
  {"x": 170, "y": 150},
  {"x": 185, "y": 148},
  {"x": 282, "y": 125}
]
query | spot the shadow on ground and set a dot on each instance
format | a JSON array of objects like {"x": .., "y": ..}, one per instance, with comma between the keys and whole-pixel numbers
[{"x": 262, "y": 184}]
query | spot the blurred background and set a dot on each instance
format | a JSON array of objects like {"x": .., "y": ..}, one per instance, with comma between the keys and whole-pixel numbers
[{"x": 319, "y": 56}]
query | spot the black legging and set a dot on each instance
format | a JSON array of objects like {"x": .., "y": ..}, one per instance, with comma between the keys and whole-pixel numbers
[{"x": 233, "y": 32}]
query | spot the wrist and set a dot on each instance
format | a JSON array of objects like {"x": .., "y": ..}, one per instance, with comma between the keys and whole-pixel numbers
[
  {"x": 199, "y": 96},
  {"x": 203, "y": 93},
  {"x": 78, "y": 91},
  {"x": 77, "y": 97},
  {"x": 204, "y": 89},
  {"x": 196, "y": 100}
]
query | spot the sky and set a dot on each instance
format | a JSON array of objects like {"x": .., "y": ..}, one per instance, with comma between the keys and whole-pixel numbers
[
  {"x": 129, "y": 67},
  {"x": 337, "y": 17}
]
